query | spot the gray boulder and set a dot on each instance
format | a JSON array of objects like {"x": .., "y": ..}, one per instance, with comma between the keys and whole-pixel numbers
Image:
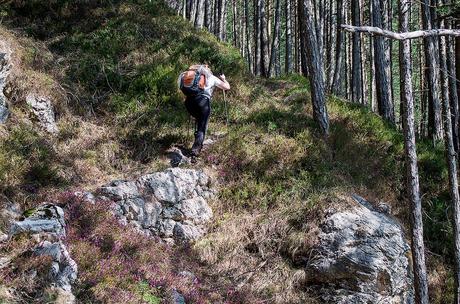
[
  {"x": 47, "y": 223},
  {"x": 43, "y": 110},
  {"x": 171, "y": 204},
  {"x": 362, "y": 257}
]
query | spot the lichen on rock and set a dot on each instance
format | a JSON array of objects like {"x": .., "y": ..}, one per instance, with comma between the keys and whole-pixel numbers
[
  {"x": 362, "y": 257},
  {"x": 171, "y": 204},
  {"x": 46, "y": 223}
]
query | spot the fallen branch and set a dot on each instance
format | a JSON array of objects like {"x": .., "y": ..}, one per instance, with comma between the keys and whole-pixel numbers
[{"x": 400, "y": 36}]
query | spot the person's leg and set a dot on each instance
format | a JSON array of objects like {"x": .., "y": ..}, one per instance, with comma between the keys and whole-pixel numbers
[{"x": 201, "y": 123}]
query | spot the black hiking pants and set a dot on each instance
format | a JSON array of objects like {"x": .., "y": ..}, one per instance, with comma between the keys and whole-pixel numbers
[{"x": 199, "y": 107}]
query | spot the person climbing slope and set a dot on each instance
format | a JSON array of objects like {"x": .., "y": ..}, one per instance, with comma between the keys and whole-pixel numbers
[{"x": 198, "y": 83}]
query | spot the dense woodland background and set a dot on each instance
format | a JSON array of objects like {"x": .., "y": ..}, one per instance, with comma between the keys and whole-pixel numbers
[{"x": 269, "y": 36}]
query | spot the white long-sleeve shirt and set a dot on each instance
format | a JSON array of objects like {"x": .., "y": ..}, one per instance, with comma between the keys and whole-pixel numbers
[{"x": 211, "y": 82}]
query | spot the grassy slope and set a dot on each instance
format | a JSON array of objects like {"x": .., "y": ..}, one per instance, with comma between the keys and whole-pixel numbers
[{"x": 117, "y": 64}]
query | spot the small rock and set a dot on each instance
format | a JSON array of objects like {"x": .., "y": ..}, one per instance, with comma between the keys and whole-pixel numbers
[
  {"x": 177, "y": 157},
  {"x": 187, "y": 274},
  {"x": 87, "y": 197},
  {"x": 120, "y": 190},
  {"x": 208, "y": 142},
  {"x": 184, "y": 232}
]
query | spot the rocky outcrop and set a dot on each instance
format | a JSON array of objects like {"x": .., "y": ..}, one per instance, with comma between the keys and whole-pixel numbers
[
  {"x": 171, "y": 204},
  {"x": 4, "y": 72},
  {"x": 43, "y": 110},
  {"x": 47, "y": 225},
  {"x": 362, "y": 257}
]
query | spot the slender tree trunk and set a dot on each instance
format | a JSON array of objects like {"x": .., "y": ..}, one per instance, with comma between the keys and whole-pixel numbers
[
  {"x": 418, "y": 248},
  {"x": 222, "y": 19},
  {"x": 207, "y": 14},
  {"x": 288, "y": 56},
  {"x": 193, "y": 10},
  {"x": 200, "y": 14},
  {"x": 384, "y": 102},
  {"x": 432, "y": 63},
  {"x": 457, "y": 53},
  {"x": 188, "y": 10},
  {"x": 453, "y": 92},
  {"x": 275, "y": 41},
  {"x": 257, "y": 54},
  {"x": 364, "y": 57},
  {"x": 235, "y": 34},
  {"x": 356, "y": 77},
  {"x": 452, "y": 164},
  {"x": 248, "y": 36},
  {"x": 184, "y": 9},
  {"x": 336, "y": 85},
  {"x": 315, "y": 67},
  {"x": 424, "y": 95},
  {"x": 265, "y": 59}
]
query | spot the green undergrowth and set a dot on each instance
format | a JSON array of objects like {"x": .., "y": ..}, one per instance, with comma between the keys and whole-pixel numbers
[{"x": 118, "y": 62}]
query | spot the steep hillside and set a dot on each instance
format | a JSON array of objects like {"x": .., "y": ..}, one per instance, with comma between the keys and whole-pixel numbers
[{"x": 109, "y": 70}]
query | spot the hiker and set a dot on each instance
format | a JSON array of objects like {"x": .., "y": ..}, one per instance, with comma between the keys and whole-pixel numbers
[{"x": 198, "y": 83}]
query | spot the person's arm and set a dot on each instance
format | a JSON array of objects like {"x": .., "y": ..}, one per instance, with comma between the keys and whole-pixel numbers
[{"x": 223, "y": 83}]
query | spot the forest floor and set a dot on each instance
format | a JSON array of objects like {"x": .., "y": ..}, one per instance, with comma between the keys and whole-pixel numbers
[{"x": 120, "y": 112}]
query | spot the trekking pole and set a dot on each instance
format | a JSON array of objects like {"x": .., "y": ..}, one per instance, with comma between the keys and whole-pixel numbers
[
  {"x": 188, "y": 126},
  {"x": 226, "y": 110}
]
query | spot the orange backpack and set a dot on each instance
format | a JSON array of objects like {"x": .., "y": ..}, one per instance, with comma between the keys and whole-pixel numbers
[{"x": 193, "y": 81}]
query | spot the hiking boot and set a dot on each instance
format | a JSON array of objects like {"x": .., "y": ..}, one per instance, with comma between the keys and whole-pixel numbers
[
  {"x": 198, "y": 144},
  {"x": 196, "y": 149}
]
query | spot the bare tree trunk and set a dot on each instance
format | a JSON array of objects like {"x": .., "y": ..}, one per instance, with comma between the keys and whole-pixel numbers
[
  {"x": 364, "y": 57},
  {"x": 222, "y": 19},
  {"x": 257, "y": 54},
  {"x": 453, "y": 92},
  {"x": 424, "y": 95},
  {"x": 200, "y": 12},
  {"x": 432, "y": 63},
  {"x": 288, "y": 58},
  {"x": 315, "y": 67},
  {"x": 384, "y": 102},
  {"x": 356, "y": 75},
  {"x": 235, "y": 34},
  {"x": 193, "y": 10},
  {"x": 207, "y": 14},
  {"x": 265, "y": 59},
  {"x": 248, "y": 36},
  {"x": 418, "y": 248},
  {"x": 338, "y": 50},
  {"x": 457, "y": 54},
  {"x": 275, "y": 41},
  {"x": 452, "y": 164}
]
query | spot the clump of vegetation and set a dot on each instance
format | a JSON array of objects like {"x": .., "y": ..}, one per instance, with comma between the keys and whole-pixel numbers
[
  {"x": 118, "y": 265},
  {"x": 24, "y": 274},
  {"x": 26, "y": 160}
]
